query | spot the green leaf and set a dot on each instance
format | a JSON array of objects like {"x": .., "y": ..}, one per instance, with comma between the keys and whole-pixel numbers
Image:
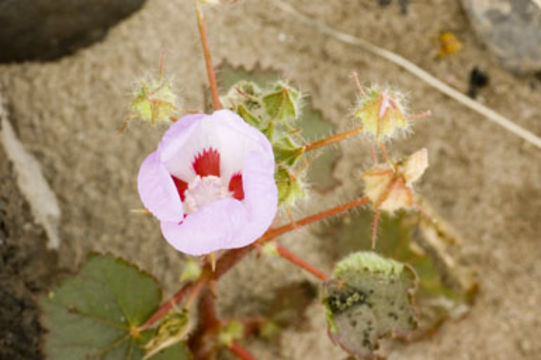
[
  {"x": 231, "y": 332},
  {"x": 248, "y": 116},
  {"x": 369, "y": 297},
  {"x": 167, "y": 336},
  {"x": 446, "y": 288},
  {"x": 90, "y": 316},
  {"x": 311, "y": 122},
  {"x": 154, "y": 101},
  {"x": 289, "y": 187},
  {"x": 283, "y": 103},
  {"x": 286, "y": 152},
  {"x": 192, "y": 270}
]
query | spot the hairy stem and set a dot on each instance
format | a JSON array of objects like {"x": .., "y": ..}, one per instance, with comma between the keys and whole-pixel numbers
[
  {"x": 177, "y": 298},
  {"x": 232, "y": 257},
  {"x": 241, "y": 353},
  {"x": 208, "y": 60},
  {"x": 301, "y": 263},
  {"x": 332, "y": 139},
  {"x": 275, "y": 232},
  {"x": 207, "y": 311}
]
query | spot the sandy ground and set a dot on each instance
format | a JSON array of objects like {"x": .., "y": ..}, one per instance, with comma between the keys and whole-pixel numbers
[{"x": 485, "y": 181}]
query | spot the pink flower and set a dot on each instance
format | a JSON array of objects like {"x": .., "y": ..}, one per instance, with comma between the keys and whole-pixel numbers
[{"x": 210, "y": 183}]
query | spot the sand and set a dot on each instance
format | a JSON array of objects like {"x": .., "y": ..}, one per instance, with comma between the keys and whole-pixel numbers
[{"x": 483, "y": 180}]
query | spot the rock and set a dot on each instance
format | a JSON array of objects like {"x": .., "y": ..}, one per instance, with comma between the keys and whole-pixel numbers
[
  {"x": 49, "y": 29},
  {"x": 511, "y": 29},
  {"x": 27, "y": 269},
  {"x": 31, "y": 182}
]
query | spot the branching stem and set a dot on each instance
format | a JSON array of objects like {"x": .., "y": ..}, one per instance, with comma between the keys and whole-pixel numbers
[
  {"x": 232, "y": 257},
  {"x": 177, "y": 298},
  {"x": 241, "y": 353},
  {"x": 300, "y": 262},
  {"x": 332, "y": 139},
  {"x": 208, "y": 59}
]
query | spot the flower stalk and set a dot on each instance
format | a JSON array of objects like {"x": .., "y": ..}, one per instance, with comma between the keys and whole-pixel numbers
[
  {"x": 208, "y": 59},
  {"x": 240, "y": 352},
  {"x": 286, "y": 254},
  {"x": 232, "y": 257},
  {"x": 332, "y": 139},
  {"x": 189, "y": 288}
]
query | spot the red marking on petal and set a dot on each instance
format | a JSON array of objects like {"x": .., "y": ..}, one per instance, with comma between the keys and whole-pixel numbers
[
  {"x": 207, "y": 163},
  {"x": 235, "y": 186},
  {"x": 181, "y": 186}
]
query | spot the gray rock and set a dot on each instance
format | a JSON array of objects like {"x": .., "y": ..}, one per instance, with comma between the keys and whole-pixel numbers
[
  {"x": 31, "y": 182},
  {"x": 49, "y": 29},
  {"x": 511, "y": 29}
]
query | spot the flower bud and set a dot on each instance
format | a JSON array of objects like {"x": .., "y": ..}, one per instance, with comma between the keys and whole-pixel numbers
[
  {"x": 382, "y": 114},
  {"x": 154, "y": 101},
  {"x": 391, "y": 189}
]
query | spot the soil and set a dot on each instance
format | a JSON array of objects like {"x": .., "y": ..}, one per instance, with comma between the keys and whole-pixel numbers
[
  {"x": 483, "y": 180},
  {"x": 27, "y": 269}
]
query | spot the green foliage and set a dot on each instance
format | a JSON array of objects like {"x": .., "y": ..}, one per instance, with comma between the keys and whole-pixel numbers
[
  {"x": 276, "y": 110},
  {"x": 368, "y": 261},
  {"x": 273, "y": 112},
  {"x": 443, "y": 292},
  {"x": 233, "y": 331},
  {"x": 192, "y": 270},
  {"x": 154, "y": 101},
  {"x": 172, "y": 329},
  {"x": 286, "y": 151},
  {"x": 289, "y": 186},
  {"x": 382, "y": 113},
  {"x": 369, "y": 297},
  {"x": 96, "y": 314},
  {"x": 283, "y": 102}
]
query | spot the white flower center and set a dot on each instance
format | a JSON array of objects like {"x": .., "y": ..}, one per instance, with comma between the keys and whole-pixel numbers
[{"x": 202, "y": 191}]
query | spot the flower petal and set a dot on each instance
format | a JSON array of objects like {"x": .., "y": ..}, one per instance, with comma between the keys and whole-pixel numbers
[
  {"x": 171, "y": 148},
  {"x": 415, "y": 165},
  {"x": 211, "y": 228},
  {"x": 157, "y": 190},
  {"x": 224, "y": 131},
  {"x": 234, "y": 151},
  {"x": 260, "y": 197}
]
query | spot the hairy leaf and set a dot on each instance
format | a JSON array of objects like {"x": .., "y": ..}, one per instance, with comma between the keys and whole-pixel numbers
[{"x": 94, "y": 314}]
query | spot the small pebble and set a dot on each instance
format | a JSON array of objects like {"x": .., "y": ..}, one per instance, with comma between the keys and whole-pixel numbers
[{"x": 478, "y": 80}]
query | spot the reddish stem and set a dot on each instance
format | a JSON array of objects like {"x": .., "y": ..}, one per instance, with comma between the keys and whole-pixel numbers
[
  {"x": 207, "y": 311},
  {"x": 240, "y": 352},
  {"x": 208, "y": 324},
  {"x": 166, "y": 307},
  {"x": 208, "y": 60},
  {"x": 275, "y": 232},
  {"x": 332, "y": 139},
  {"x": 232, "y": 257},
  {"x": 301, "y": 263},
  {"x": 375, "y": 228}
]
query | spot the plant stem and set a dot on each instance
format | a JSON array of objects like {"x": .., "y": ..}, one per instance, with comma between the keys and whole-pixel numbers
[
  {"x": 232, "y": 257},
  {"x": 241, "y": 353},
  {"x": 164, "y": 309},
  {"x": 208, "y": 60},
  {"x": 386, "y": 156},
  {"x": 275, "y": 232},
  {"x": 207, "y": 311},
  {"x": 301, "y": 263},
  {"x": 332, "y": 139}
]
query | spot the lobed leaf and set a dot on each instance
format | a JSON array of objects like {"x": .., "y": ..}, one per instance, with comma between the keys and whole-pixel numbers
[{"x": 94, "y": 314}]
